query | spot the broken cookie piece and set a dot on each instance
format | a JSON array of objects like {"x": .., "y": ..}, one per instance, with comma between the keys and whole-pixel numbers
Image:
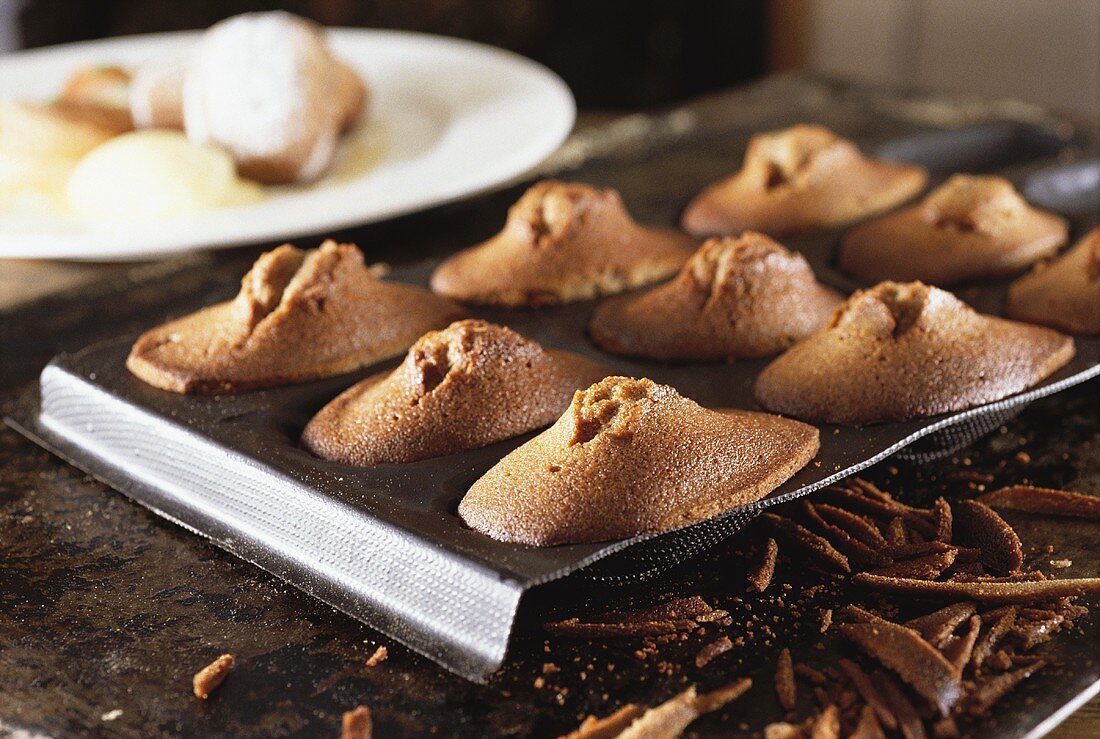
[
  {"x": 300, "y": 315},
  {"x": 735, "y": 298},
  {"x": 562, "y": 243},
  {"x": 630, "y": 457},
  {"x": 465, "y": 387},
  {"x": 207, "y": 680},
  {"x": 968, "y": 228},
  {"x": 899, "y": 351},
  {"x": 803, "y": 178},
  {"x": 1063, "y": 294}
]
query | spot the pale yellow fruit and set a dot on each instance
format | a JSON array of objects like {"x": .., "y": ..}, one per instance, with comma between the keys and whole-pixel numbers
[{"x": 156, "y": 173}]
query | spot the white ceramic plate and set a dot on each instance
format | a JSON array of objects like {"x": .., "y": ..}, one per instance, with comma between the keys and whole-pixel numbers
[{"x": 448, "y": 118}]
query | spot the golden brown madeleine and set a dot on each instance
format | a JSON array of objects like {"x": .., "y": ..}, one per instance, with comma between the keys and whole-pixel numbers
[
  {"x": 967, "y": 228},
  {"x": 735, "y": 298},
  {"x": 803, "y": 178},
  {"x": 901, "y": 351},
  {"x": 1064, "y": 293},
  {"x": 631, "y": 457},
  {"x": 470, "y": 385},
  {"x": 562, "y": 243},
  {"x": 300, "y": 315},
  {"x": 103, "y": 90}
]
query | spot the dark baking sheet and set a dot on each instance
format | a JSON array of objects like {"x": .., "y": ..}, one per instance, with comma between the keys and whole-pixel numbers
[{"x": 384, "y": 544}]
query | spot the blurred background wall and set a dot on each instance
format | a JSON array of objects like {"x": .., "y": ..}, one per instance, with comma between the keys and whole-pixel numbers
[
  {"x": 1043, "y": 51},
  {"x": 631, "y": 53}
]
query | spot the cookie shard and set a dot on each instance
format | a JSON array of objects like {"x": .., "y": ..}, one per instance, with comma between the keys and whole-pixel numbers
[
  {"x": 1063, "y": 294},
  {"x": 735, "y": 298},
  {"x": 561, "y": 243},
  {"x": 630, "y": 457},
  {"x": 803, "y": 178},
  {"x": 470, "y": 385},
  {"x": 899, "y": 351},
  {"x": 969, "y": 228},
  {"x": 300, "y": 315}
]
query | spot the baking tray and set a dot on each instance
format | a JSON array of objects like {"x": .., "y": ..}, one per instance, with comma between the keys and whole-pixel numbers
[{"x": 385, "y": 544}]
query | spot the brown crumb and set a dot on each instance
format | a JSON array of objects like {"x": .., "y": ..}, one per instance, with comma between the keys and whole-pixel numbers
[
  {"x": 856, "y": 526},
  {"x": 908, "y": 719},
  {"x": 827, "y": 725},
  {"x": 971, "y": 476},
  {"x": 870, "y": 693},
  {"x": 982, "y": 698},
  {"x": 785, "y": 686},
  {"x": 378, "y": 657},
  {"x": 715, "y": 699},
  {"x": 1061, "y": 564},
  {"x": 814, "y": 676},
  {"x": 926, "y": 567},
  {"x": 980, "y": 526},
  {"x": 904, "y": 651},
  {"x": 937, "y": 626},
  {"x": 817, "y": 546},
  {"x": 1043, "y": 500},
  {"x": 958, "y": 649},
  {"x": 609, "y": 726},
  {"x": 357, "y": 724},
  {"x": 868, "y": 726},
  {"x": 678, "y": 614},
  {"x": 826, "y": 620},
  {"x": 761, "y": 573},
  {"x": 210, "y": 677},
  {"x": 1014, "y": 591},
  {"x": 946, "y": 728},
  {"x": 714, "y": 649}
]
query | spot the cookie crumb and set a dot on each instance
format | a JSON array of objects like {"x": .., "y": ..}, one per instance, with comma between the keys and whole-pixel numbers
[
  {"x": 357, "y": 724},
  {"x": 210, "y": 677},
  {"x": 378, "y": 657}
]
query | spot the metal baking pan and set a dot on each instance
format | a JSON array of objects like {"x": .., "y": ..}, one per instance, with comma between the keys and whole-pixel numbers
[{"x": 385, "y": 544}]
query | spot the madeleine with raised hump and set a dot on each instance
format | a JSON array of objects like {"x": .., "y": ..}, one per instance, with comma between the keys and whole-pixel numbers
[
  {"x": 1063, "y": 294},
  {"x": 470, "y": 385},
  {"x": 633, "y": 457},
  {"x": 899, "y": 351},
  {"x": 300, "y": 315},
  {"x": 803, "y": 178},
  {"x": 968, "y": 228},
  {"x": 734, "y": 299},
  {"x": 562, "y": 243}
]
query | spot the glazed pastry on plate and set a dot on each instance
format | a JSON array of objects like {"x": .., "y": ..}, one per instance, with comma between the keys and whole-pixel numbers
[
  {"x": 300, "y": 315},
  {"x": 1064, "y": 293},
  {"x": 899, "y": 351},
  {"x": 562, "y": 243},
  {"x": 803, "y": 178},
  {"x": 470, "y": 385},
  {"x": 966, "y": 229},
  {"x": 632, "y": 457},
  {"x": 735, "y": 298},
  {"x": 264, "y": 87},
  {"x": 156, "y": 91}
]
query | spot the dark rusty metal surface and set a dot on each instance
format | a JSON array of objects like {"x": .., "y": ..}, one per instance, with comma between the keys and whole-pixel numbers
[{"x": 105, "y": 608}]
